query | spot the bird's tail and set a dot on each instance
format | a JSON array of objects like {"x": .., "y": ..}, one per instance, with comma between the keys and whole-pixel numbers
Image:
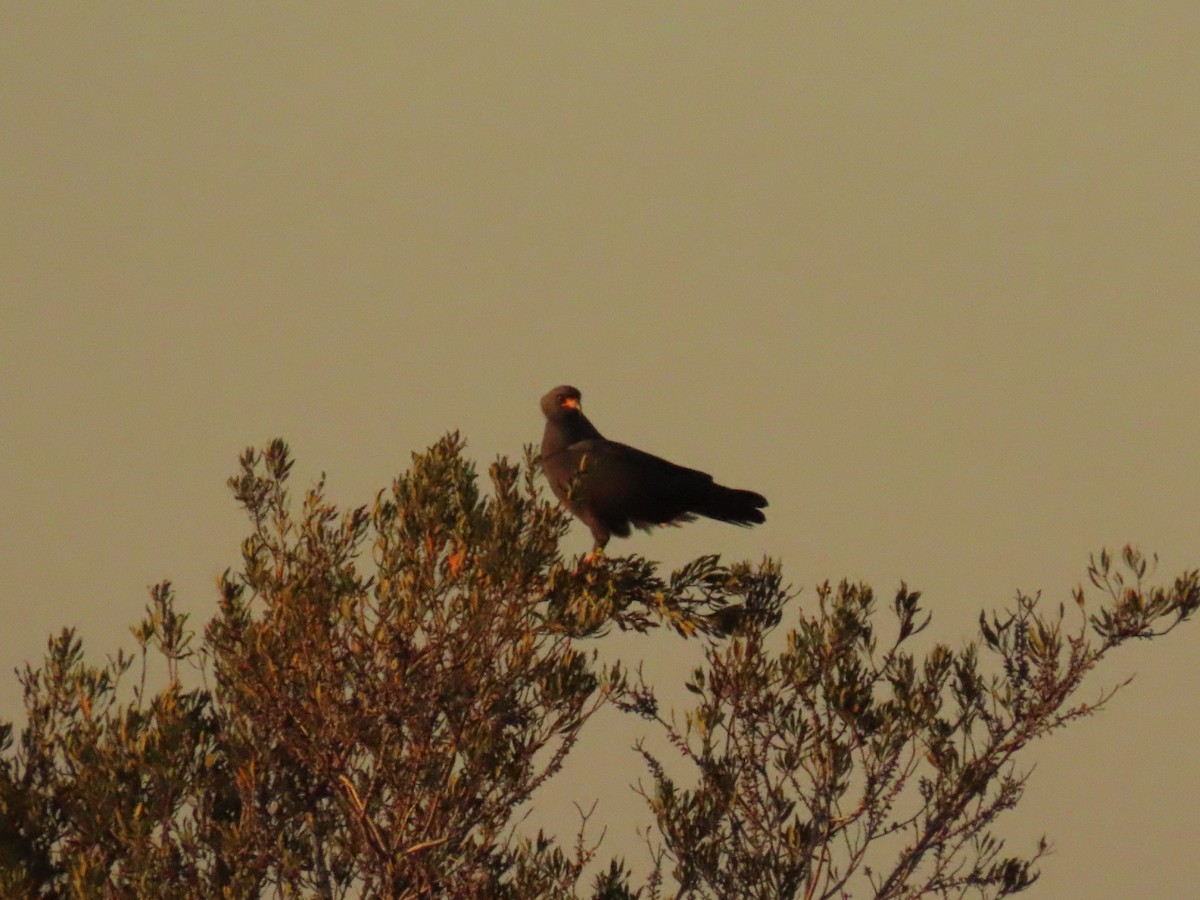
[{"x": 732, "y": 505}]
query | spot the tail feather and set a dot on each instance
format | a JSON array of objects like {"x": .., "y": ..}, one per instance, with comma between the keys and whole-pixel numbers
[{"x": 732, "y": 505}]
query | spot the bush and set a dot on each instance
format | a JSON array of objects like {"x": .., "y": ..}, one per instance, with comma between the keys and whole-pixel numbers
[{"x": 382, "y": 691}]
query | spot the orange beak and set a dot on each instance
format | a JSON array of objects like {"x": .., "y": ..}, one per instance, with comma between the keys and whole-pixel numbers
[{"x": 570, "y": 403}]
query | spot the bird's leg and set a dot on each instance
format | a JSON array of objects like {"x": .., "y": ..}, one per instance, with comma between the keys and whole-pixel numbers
[{"x": 596, "y": 553}]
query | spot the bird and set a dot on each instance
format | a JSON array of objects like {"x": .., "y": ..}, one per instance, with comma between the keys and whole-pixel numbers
[{"x": 611, "y": 486}]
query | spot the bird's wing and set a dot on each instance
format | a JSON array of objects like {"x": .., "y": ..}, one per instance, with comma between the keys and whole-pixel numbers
[{"x": 620, "y": 483}]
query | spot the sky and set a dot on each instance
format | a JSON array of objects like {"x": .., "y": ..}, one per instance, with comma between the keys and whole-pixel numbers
[{"x": 926, "y": 275}]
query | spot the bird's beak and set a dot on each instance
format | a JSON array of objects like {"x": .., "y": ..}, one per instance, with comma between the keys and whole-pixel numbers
[{"x": 570, "y": 403}]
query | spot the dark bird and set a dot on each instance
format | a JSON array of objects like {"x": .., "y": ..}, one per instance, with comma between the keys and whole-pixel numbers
[{"x": 612, "y": 486}]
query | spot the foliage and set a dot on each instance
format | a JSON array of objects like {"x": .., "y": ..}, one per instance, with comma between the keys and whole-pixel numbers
[
  {"x": 382, "y": 691},
  {"x": 843, "y": 756}
]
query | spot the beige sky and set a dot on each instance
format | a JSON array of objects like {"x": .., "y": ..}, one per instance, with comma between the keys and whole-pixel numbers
[{"x": 926, "y": 275}]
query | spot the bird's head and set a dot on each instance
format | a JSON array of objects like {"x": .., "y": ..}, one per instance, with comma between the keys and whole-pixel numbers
[{"x": 562, "y": 402}]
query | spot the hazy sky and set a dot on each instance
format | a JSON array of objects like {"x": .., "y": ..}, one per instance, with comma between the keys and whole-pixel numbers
[{"x": 926, "y": 275}]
